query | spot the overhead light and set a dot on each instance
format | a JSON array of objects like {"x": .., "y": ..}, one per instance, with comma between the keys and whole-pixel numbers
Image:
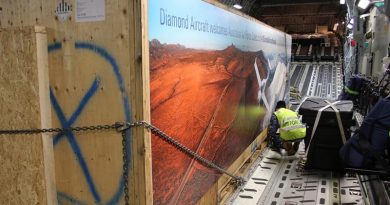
[
  {"x": 237, "y": 5},
  {"x": 349, "y": 26},
  {"x": 342, "y": 1},
  {"x": 363, "y": 4},
  {"x": 335, "y": 26}
]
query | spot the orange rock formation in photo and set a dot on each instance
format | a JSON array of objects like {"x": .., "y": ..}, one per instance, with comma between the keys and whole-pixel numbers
[{"x": 208, "y": 101}]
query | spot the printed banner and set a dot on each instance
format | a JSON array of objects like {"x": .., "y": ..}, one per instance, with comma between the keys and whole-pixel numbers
[{"x": 215, "y": 78}]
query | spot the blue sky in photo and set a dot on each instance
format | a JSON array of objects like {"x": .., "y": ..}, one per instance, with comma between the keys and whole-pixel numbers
[{"x": 205, "y": 12}]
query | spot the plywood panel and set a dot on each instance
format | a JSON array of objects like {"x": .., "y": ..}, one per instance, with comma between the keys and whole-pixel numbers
[
  {"x": 27, "y": 165},
  {"x": 96, "y": 77}
]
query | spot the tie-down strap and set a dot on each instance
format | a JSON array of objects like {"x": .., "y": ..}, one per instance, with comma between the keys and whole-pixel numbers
[{"x": 339, "y": 122}]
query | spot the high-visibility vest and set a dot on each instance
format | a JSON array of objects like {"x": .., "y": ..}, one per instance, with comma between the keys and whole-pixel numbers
[{"x": 291, "y": 127}]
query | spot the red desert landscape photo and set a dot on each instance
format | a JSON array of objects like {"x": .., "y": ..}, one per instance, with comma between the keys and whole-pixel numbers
[{"x": 209, "y": 101}]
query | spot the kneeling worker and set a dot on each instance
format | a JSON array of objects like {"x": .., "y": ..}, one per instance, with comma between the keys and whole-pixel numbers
[{"x": 291, "y": 130}]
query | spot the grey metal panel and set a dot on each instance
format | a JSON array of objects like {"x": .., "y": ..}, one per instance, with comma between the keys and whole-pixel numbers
[
  {"x": 296, "y": 73},
  {"x": 307, "y": 81},
  {"x": 288, "y": 185}
]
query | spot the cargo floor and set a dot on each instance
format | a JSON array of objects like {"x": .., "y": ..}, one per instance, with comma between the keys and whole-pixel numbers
[
  {"x": 274, "y": 179},
  {"x": 322, "y": 79}
]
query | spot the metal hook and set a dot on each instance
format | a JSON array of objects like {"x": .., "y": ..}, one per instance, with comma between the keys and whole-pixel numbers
[{"x": 120, "y": 127}]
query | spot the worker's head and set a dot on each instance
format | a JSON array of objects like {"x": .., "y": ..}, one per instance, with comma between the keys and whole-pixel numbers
[{"x": 280, "y": 104}]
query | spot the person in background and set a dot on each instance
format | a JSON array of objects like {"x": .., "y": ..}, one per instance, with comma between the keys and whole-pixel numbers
[{"x": 291, "y": 130}]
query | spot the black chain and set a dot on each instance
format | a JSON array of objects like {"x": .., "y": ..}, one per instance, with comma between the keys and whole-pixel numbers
[
  {"x": 125, "y": 167},
  {"x": 238, "y": 181},
  {"x": 122, "y": 128},
  {"x": 61, "y": 130}
]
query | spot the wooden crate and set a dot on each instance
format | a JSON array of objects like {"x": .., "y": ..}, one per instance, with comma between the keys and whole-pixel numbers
[{"x": 98, "y": 73}]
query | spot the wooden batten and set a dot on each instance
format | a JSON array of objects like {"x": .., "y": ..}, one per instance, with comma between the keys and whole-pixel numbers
[
  {"x": 143, "y": 187},
  {"x": 27, "y": 164},
  {"x": 98, "y": 74}
]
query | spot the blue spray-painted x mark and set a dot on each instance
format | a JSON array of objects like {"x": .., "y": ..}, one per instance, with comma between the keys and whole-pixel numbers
[
  {"x": 92, "y": 90},
  {"x": 66, "y": 123}
]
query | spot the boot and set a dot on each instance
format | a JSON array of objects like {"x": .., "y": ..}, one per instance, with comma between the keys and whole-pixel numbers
[{"x": 289, "y": 148}]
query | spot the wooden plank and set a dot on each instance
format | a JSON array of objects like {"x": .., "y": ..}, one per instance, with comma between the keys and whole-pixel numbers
[
  {"x": 141, "y": 101},
  {"x": 226, "y": 193},
  {"x": 27, "y": 164},
  {"x": 147, "y": 163},
  {"x": 211, "y": 197},
  {"x": 99, "y": 67},
  {"x": 46, "y": 120}
]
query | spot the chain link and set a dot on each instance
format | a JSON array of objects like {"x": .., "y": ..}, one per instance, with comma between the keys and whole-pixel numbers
[
  {"x": 125, "y": 167},
  {"x": 61, "y": 130},
  {"x": 238, "y": 181},
  {"x": 122, "y": 128}
]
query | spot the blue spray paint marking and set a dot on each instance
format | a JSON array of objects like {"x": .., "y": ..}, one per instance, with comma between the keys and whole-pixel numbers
[
  {"x": 111, "y": 60},
  {"x": 92, "y": 90},
  {"x": 75, "y": 147},
  {"x": 54, "y": 47},
  {"x": 65, "y": 199}
]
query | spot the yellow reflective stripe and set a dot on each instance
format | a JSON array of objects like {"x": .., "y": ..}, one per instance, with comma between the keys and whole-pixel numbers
[
  {"x": 285, "y": 129},
  {"x": 352, "y": 92}
]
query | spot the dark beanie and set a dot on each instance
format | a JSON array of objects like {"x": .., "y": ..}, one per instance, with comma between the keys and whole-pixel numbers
[{"x": 280, "y": 104}]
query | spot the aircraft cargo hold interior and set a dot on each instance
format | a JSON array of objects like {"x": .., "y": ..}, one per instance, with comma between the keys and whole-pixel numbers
[{"x": 195, "y": 102}]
